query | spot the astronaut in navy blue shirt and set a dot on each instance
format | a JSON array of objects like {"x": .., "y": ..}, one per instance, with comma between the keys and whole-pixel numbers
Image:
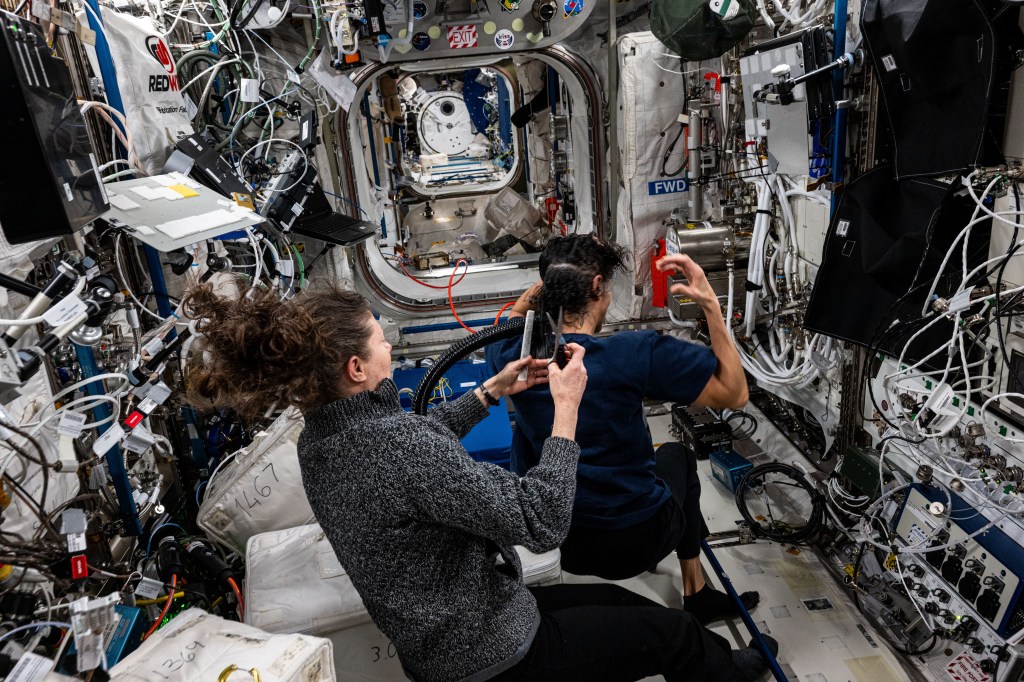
[{"x": 633, "y": 505}]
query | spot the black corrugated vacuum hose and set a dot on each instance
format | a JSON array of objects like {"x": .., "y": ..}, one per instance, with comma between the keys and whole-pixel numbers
[{"x": 459, "y": 350}]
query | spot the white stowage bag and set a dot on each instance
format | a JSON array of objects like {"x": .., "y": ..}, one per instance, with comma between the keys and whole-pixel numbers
[
  {"x": 150, "y": 89},
  {"x": 650, "y": 107},
  {"x": 508, "y": 212},
  {"x": 261, "y": 490},
  {"x": 199, "y": 646},
  {"x": 294, "y": 583}
]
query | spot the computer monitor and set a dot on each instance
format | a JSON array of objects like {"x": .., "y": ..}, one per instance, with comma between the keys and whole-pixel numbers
[{"x": 51, "y": 186}]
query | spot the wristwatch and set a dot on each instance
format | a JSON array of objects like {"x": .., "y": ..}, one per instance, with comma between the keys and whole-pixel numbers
[{"x": 491, "y": 400}]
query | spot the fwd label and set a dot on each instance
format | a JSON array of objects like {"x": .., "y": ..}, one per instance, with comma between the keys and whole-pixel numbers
[{"x": 656, "y": 187}]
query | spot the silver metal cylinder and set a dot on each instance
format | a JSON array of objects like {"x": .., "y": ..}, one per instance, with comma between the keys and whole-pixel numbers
[{"x": 707, "y": 244}]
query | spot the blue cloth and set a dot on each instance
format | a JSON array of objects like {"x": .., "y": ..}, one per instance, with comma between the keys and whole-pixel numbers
[
  {"x": 491, "y": 439},
  {"x": 616, "y": 486}
]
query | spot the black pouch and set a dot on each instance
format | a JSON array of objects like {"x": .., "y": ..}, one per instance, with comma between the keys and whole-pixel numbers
[{"x": 884, "y": 246}]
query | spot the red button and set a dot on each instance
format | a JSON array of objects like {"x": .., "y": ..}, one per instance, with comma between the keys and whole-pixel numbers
[{"x": 133, "y": 419}]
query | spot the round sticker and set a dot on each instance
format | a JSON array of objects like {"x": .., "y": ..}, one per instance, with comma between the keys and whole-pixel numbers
[
  {"x": 434, "y": 32},
  {"x": 572, "y": 7},
  {"x": 419, "y": 9},
  {"x": 726, "y": 9},
  {"x": 504, "y": 39},
  {"x": 490, "y": 27},
  {"x": 421, "y": 41},
  {"x": 518, "y": 24}
]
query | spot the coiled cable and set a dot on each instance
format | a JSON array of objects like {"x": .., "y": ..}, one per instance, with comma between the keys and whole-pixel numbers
[
  {"x": 459, "y": 350},
  {"x": 754, "y": 483}
]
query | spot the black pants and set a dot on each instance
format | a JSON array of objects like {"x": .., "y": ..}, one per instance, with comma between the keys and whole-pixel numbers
[
  {"x": 606, "y": 633},
  {"x": 627, "y": 552}
]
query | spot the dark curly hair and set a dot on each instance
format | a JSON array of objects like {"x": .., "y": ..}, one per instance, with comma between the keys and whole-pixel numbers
[
  {"x": 568, "y": 266},
  {"x": 257, "y": 351}
]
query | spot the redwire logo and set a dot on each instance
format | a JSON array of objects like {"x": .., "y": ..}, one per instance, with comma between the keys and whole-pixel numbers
[{"x": 158, "y": 48}]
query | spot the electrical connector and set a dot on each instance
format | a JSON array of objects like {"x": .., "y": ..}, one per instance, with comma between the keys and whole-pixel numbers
[
  {"x": 208, "y": 562},
  {"x": 168, "y": 558}
]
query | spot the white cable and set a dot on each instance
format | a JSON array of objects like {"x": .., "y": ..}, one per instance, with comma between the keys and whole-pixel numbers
[
  {"x": 680, "y": 324},
  {"x": 124, "y": 279},
  {"x": 765, "y": 16},
  {"x": 99, "y": 377},
  {"x": 213, "y": 67},
  {"x": 123, "y": 133},
  {"x": 181, "y": 10},
  {"x": 108, "y": 164},
  {"x": 335, "y": 28},
  {"x": 220, "y": 465},
  {"x": 910, "y": 595},
  {"x": 997, "y": 396},
  {"x": 256, "y": 254},
  {"x": 964, "y": 234},
  {"x": 39, "y": 624},
  {"x": 90, "y": 399},
  {"x": 817, "y": 198}
]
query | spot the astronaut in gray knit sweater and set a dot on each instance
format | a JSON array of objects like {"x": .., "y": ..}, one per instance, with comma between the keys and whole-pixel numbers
[{"x": 427, "y": 534}]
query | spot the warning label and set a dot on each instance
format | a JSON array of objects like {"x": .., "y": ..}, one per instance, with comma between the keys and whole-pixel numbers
[
  {"x": 964, "y": 668},
  {"x": 460, "y": 37}
]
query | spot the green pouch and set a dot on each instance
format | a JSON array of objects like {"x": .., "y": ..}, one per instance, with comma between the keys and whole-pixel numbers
[{"x": 701, "y": 29}]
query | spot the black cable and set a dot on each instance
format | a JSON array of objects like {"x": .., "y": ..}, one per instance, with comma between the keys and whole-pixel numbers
[
  {"x": 36, "y": 507},
  {"x": 918, "y": 652},
  {"x": 668, "y": 153},
  {"x": 44, "y": 465},
  {"x": 244, "y": 21},
  {"x": 802, "y": 535},
  {"x": 738, "y": 434}
]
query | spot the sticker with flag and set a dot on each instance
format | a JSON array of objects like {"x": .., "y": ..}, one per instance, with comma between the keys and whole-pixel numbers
[
  {"x": 462, "y": 36},
  {"x": 572, "y": 7}
]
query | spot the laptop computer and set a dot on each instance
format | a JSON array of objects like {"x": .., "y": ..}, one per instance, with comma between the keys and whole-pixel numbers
[{"x": 304, "y": 209}]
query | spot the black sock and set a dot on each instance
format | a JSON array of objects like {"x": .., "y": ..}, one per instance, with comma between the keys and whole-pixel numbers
[
  {"x": 708, "y": 605},
  {"x": 751, "y": 661}
]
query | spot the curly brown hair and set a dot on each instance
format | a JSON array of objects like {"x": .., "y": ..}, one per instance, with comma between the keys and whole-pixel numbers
[{"x": 257, "y": 351}]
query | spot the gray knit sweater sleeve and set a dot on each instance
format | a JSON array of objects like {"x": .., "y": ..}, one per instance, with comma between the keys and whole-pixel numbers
[
  {"x": 460, "y": 415},
  {"x": 488, "y": 501}
]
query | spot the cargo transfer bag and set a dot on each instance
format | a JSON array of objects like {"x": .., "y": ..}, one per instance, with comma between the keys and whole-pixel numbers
[
  {"x": 261, "y": 490},
  {"x": 196, "y": 645}
]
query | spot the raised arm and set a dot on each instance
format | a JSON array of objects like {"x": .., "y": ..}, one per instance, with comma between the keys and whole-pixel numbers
[
  {"x": 533, "y": 511},
  {"x": 727, "y": 387}
]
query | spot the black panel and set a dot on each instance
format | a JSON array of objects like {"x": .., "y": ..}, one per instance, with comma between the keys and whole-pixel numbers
[
  {"x": 942, "y": 66},
  {"x": 882, "y": 251},
  {"x": 208, "y": 167},
  {"x": 50, "y": 186}
]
